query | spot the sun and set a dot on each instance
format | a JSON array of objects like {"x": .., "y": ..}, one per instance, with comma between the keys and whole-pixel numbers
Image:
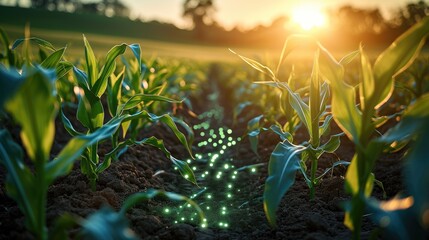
[{"x": 308, "y": 17}]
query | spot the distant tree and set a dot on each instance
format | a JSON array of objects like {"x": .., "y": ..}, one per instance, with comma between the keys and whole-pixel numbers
[
  {"x": 201, "y": 14},
  {"x": 412, "y": 13},
  {"x": 359, "y": 21}
]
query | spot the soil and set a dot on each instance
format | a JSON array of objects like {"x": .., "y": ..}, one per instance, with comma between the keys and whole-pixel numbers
[{"x": 298, "y": 217}]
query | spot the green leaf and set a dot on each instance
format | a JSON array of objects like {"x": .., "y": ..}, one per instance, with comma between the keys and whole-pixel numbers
[
  {"x": 182, "y": 166},
  {"x": 151, "y": 193},
  {"x": 292, "y": 42},
  {"x": 9, "y": 54},
  {"x": 34, "y": 107},
  {"x": 283, "y": 135},
  {"x": 38, "y": 41},
  {"x": 81, "y": 78},
  {"x": 167, "y": 120},
  {"x": 68, "y": 125},
  {"x": 141, "y": 97},
  {"x": 344, "y": 109},
  {"x": 63, "y": 163},
  {"x": 107, "y": 224},
  {"x": 90, "y": 111},
  {"x": 52, "y": 60},
  {"x": 260, "y": 67},
  {"x": 63, "y": 68},
  {"x": 253, "y": 130},
  {"x": 91, "y": 63},
  {"x": 324, "y": 129},
  {"x": 19, "y": 182},
  {"x": 101, "y": 83},
  {"x": 114, "y": 92},
  {"x": 395, "y": 59},
  {"x": 315, "y": 103},
  {"x": 283, "y": 164},
  {"x": 332, "y": 144},
  {"x": 11, "y": 81}
]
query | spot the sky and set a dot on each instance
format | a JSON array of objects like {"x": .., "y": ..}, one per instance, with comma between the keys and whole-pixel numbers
[{"x": 246, "y": 13}]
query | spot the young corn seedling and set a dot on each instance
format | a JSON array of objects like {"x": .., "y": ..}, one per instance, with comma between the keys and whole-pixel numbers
[
  {"x": 30, "y": 98},
  {"x": 91, "y": 87},
  {"x": 285, "y": 161},
  {"x": 359, "y": 122}
]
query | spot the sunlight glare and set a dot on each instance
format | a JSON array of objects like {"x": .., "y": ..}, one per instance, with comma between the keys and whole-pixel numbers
[{"x": 308, "y": 17}]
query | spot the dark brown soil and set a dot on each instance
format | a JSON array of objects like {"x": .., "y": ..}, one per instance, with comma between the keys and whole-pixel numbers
[{"x": 298, "y": 217}]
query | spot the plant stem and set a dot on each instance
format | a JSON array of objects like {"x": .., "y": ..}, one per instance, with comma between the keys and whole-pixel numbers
[
  {"x": 313, "y": 175},
  {"x": 39, "y": 225}
]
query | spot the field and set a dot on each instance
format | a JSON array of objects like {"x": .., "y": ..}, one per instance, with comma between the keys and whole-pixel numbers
[{"x": 121, "y": 137}]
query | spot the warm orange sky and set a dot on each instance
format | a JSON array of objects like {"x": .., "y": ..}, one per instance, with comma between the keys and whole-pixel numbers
[{"x": 245, "y": 13}]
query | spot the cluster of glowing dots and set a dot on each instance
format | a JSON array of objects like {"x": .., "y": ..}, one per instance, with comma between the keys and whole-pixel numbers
[{"x": 216, "y": 175}]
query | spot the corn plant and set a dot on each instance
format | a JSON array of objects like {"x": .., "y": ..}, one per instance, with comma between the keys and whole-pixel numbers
[
  {"x": 30, "y": 99},
  {"x": 359, "y": 122},
  {"x": 92, "y": 85},
  {"x": 285, "y": 161},
  {"x": 405, "y": 217}
]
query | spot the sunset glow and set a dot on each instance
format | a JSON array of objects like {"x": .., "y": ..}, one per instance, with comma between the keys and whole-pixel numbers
[{"x": 308, "y": 17}]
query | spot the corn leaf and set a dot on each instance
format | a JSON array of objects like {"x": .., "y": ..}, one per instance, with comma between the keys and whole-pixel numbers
[
  {"x": 107, "y": 224},
  {"x": 114, "y": 92},
  {"x": 151, "y": 193},
  {"x": 19, "y": 182},
  {"x": 283, "y": 164},
  {"x": 38, "y": 41},
  {"x": 253, "y": 130},
  {"x": 34, "y": 108},
  {"x": 52, "y": 60},
  {"x": 344, "y": 108},
  {"x": 91, "y": 63},
  {"x": 11, "y": 81},
  {"x": 90, "y": 111},
  {"x": 141, "y": 97},
  {"x": 395, "y": 59}
]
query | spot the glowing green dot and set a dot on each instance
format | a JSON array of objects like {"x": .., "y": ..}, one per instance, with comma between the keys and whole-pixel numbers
[
  {"x": 230, "y": 139},
  {"x": 189, "y": 205},
  {"x": 192, "y": 219},
  {"x": 203, "y": 225},
  {"x": 208, "y": 207},
  {"x": 209, "y": 140},
  {"x": 233, "y": 142},
  {"x": 224, "y": 147},
  {"x": 186, "y": 176},
  {"x": 235, "y": 172},
  {"x": 194, "y": 168},
  {"x": 167, "y": 210},
  {"x": 203, "y": 175},
  {"x": 253, "y": 170},
  {"x": 175, "y": 168},
  {"x": 211, "y": 164},
  {"x": 214, "y": 144},
  {"x": 214, "y": 136},
  {"x": 202, "y": 134},
  {"x": 229, "y": 131},
  {"x": 229, "y": 195},
  {"x": 221, "y": 224},
  {"x": 209, "y": 196},
  {"x": 226, "y": 166},
  {"x": 223, "y": 212},
  {"x": 220, "y": 141},
  {"x": 221, "y": 151},
  {"x": 233, "y": 176},
  {"x": 206, "y": 172},
  {"x": 229, "y": 144},
  {"x": 183, "y": 219},
  {"x": 225, "y": 225},
  {"x": 189, "y": 161},
  {"x": 229, "y": 185},
  {"x": 239, "y": 139},
  {"x": 175, "y": 222}
]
